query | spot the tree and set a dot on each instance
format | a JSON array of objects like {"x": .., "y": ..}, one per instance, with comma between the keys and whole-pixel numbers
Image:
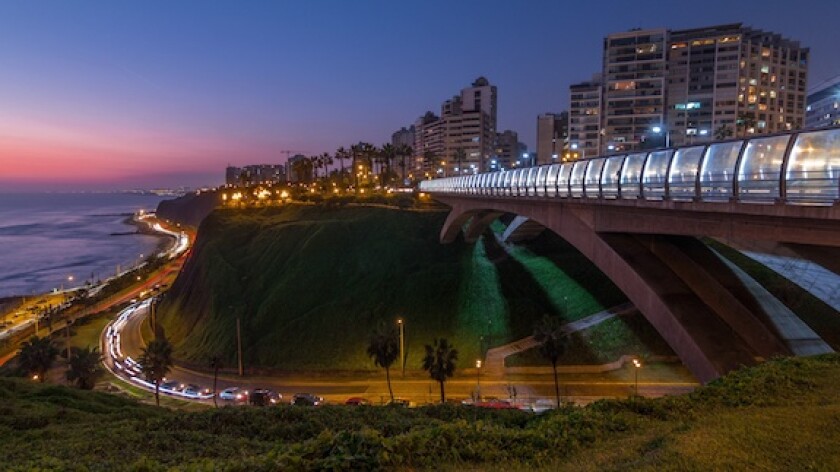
[
  {"x": 460, "y": 155},
  {"x": 440, "y": 363},
  {"x": 83, "y": 367},
  {"x": 215, "y": 364},
  {"x": 389, "y": 153},
  {"x": 384, "y": 348},
  {"x": 155, "y": 362},
  {"x": 745, "y": 122},
  {"x": 37, "y": 356},
  {"x": 723, "y": 132},
  {"x": 340, "y": 155},
  {"x": 549, "y": 333},
  {"x": 404, "y": 151}
]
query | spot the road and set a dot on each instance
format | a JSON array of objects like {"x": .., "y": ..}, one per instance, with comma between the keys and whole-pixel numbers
[{"x": 416, "y": 387}]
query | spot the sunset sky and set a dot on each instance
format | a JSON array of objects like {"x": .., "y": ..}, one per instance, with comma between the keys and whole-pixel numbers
[{"x": 108, "y": 95}]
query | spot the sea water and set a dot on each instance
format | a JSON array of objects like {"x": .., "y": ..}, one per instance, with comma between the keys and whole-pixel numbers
[{"x": 47, "y": 238}]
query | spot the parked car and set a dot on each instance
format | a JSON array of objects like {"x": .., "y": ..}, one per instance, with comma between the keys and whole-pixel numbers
[
  {"x": 306, "y": 399},
  {"x": 233, "y": 394},
  {"x": 496, "y": 405},
  {"x": 171, "y": 385},
  {"x": 399, "y": 402},
  {"x": 356, "y": 401}
]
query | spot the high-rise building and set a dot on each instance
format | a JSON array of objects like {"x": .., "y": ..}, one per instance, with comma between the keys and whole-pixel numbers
[
  {"x": 585, "y": 109},
  {"x": 732, "y": 80},
  {"x": 403, "y": 137},
  {"x": 508, "y": 152},
  {"x": 662, "y": 87},
  {"x": 428, "y": 146},
  {"x": 823, "y": 107},
  {"x": 463, "y": 138},
  {"x": 552, "y": 136},
  {"x": 633, "y": 86}
]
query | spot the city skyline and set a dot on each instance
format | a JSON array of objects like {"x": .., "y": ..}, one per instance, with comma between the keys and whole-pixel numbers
[{"x": 92, "y": 98}]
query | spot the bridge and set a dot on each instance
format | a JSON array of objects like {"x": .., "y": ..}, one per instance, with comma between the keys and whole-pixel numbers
[{"x": 638, "y": 218}]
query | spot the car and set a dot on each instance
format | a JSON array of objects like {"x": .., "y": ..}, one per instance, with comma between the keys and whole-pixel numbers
[
  {"x": 496, "y": 404},
  {"x": 306, "y": 399},
  {"x": 264, "y": 397},
  {"x": 233, "y": 394},
  {"x": 172, "y": 385},
  {"x": 399, "y": 402},
  {"x": 192, "y": 390},
  {"x": 356, "y": 401},
  {"x": 542, "y": 405}
]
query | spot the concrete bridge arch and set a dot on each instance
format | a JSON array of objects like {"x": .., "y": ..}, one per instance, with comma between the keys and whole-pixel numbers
[{"x": 683, "y": 289}]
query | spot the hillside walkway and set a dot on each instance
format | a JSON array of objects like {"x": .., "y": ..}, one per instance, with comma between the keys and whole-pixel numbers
[{"x": 495, "y": 359}]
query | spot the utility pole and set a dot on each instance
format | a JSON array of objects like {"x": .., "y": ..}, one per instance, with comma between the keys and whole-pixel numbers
[{"x": 239, "y": 345}]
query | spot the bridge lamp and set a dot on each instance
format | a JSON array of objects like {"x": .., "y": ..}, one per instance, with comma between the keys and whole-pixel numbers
[{"x": 659, "y": 130}]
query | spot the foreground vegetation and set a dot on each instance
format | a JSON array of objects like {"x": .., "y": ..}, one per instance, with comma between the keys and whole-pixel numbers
[
  {"x": 310, "y": 282},
  {"x": 782, "y": 415}
]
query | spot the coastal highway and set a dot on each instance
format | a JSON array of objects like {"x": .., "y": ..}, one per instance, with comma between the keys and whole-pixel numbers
[{"x": 416, "y": 387}]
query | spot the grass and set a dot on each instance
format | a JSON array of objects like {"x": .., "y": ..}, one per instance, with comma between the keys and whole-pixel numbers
[
  {"x": 309, "y": 283},
  {"x": 818, "y": 315},
  {"x": 782, "y": 415}
]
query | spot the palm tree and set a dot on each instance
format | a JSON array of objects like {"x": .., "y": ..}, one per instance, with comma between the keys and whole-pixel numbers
[
  {"x": 37, "y": 356},
  {"x": 340, "y": 155},
  {"x": 389, "y": 153},
  {"x": 384, "y": 348},
  {"x": 83, "y": 367},
  {"x": 440, "y": 363},
  {"x": 723, "y": 132},
  {"x": 549, "y": 333},
  {"x": 745, "y": 121},
  {"x": 460, "y": 155},
  {"x": 404, "y": 151},
  {"x": 355, "y": 151},
  {"x": 215, "y": 364},
  {"x": 155, "y": 362}
]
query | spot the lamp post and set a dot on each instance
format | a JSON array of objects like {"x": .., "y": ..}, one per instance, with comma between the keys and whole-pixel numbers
[
  {"x": 637, "y": 364},
  {"x": 402, "y": 344},
  {"x": 660, "y": 129},
  {"x": 478, "y": 379}
]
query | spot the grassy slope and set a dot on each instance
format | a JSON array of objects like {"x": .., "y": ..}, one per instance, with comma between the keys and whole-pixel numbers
[
  {"x": 310, "y": 283},
  {"x": 782, "y": 415}
]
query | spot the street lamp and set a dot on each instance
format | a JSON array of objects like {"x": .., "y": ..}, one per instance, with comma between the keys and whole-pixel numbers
[
  {"x": 478, "y": 378},
  {"x": 637, "y": 364},
  {"x": 658, "y": 130},
  {"x": 402, "y": 344}
]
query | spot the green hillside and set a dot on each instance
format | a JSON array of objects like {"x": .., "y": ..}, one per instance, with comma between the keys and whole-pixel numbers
[
  {"x": 310, "y": 282},
  {"x": 782, "y": 415}
]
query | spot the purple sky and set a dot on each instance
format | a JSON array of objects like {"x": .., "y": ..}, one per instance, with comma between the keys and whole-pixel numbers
[{"x": 103, "y": 95}]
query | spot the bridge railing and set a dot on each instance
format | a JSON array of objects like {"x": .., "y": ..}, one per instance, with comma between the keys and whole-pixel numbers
[{"x": 797, "y": 168}]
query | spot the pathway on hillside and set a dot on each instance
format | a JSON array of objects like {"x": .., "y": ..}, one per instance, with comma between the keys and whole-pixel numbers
[
  {"x": 495, "y": 359},
  {"x": 812, "y": 277}
]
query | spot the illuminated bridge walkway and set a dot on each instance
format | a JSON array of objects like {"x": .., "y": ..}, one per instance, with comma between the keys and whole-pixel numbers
[{"x": 638, "y": 216}]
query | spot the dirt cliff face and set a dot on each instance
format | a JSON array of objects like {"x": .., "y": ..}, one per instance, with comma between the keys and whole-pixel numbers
[{"x": 189, "y": 209}]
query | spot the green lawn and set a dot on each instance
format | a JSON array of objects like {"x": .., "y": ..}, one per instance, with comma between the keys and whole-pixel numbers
[{"x": 782, "y": 415}]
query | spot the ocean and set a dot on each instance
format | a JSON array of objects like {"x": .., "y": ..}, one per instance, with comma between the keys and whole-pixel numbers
[{"x": 46, "y": 238}]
